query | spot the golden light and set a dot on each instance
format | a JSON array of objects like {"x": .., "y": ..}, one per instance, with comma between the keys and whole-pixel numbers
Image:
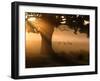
[
  {"x": 64, "y": 19},
  {"x": 26, "y": 17},
  {"x": 62, "y": 16},
  {"x": 63, "y": 22},
  {"x": 86, "y": 22},
  {"x": 32, "y": 19}
]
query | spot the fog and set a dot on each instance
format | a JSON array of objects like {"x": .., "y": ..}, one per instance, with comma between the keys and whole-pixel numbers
[{"x": 62, "y": 41}]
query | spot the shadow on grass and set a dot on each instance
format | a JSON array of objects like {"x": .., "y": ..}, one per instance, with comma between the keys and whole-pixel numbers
[{"x": 62, "y": 59}]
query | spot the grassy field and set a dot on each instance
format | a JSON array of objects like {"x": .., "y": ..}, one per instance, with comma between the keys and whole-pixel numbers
[{"x": 69, "y": 49}]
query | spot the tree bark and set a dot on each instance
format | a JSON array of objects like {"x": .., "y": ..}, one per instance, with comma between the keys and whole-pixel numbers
[
  {"x": 46, "y": 31},
  {"x": 46, "y": 45}
]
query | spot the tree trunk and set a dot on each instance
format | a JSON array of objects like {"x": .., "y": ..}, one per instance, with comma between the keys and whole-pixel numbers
[
  {"x": 46, "y": 29},
  {"x": 46, "y": 46}
]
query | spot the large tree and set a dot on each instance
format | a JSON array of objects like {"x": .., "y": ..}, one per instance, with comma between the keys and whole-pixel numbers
[{"x": 45, "y": 26}]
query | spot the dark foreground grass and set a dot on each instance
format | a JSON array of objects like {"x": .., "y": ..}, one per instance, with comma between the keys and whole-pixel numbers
[{"x": 62, "y": 59}]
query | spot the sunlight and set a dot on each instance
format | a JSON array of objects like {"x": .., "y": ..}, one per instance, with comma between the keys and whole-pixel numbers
[
  {"x": 86, "y": 22},
  {"x": 32, "y": 19}
]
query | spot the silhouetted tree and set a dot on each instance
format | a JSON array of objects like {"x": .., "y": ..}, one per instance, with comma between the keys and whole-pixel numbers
[{"x": 46, "y": 25}]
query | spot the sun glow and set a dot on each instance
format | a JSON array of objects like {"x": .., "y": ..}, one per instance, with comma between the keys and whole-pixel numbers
[
  {"x": 32, "y": 19},
  {"x": 86, "y": 22}
]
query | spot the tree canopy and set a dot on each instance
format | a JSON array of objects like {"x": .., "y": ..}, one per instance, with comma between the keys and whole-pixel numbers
[{"x": 76, "y": 22}]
